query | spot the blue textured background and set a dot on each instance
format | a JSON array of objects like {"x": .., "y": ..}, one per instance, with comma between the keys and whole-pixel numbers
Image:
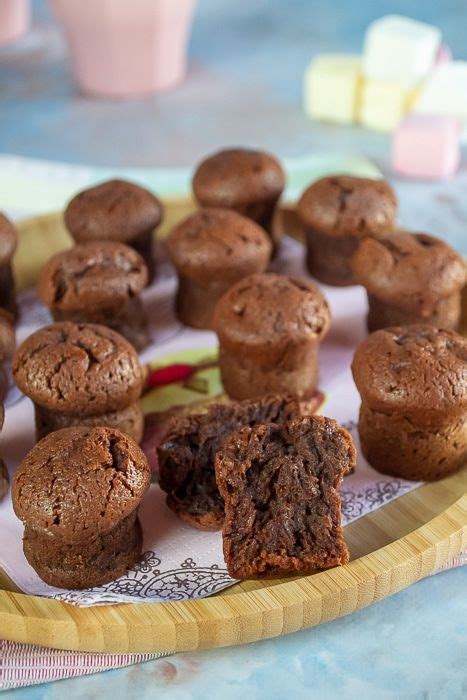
[{"x": 244, "y": 87}]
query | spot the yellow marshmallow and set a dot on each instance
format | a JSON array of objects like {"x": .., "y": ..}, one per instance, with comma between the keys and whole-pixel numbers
[
  {"x": 384, "y": 104},
  {"x": 332, "y": 86}
]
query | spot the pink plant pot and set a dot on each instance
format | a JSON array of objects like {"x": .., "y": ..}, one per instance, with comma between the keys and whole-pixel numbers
[
  {"x": 15, "y": 17},
  {"x": 123, "y": 48}
]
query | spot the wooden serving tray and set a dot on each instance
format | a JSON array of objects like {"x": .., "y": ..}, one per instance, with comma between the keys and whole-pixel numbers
[{"x": 390, "y": 549}]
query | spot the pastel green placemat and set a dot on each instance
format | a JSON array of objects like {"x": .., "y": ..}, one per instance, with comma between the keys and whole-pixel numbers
[{"x": 29, "y": 187}]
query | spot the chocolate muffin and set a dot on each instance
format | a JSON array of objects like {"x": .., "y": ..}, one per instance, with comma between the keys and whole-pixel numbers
[
  {"x": 80, "y": 374},
  {"x": 413, "y": 417},
  {"x": 213, "y": 249},
  {"x": 7, "y": 348},
  {"x": 336, "y": 212},
  {"x": 4, "y": 476},
  {"x": 4, "y": 480},
  {"x": 269, "y": 328},
  {"x": 77, "y": 493},
  {"x": 7, "y": 337},
  {"x": 187, "y": 452},
  {"x": 410, "y": 278},
  {"x": 248, "y": 181},
  {"x": 280, "y": 485},
  {"x": 8, "y": 243},
  {"x": 98, "y": 282},
  {"x": 119, "y": 211}
]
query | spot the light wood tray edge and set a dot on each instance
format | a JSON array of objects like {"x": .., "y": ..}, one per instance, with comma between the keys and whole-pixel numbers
[{"x": 241, "y": 617}]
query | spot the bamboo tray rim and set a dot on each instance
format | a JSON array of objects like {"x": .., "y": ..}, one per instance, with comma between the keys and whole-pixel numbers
[
  {"x": 459, "y": 507},
  {"x": 279, "y": 609}
]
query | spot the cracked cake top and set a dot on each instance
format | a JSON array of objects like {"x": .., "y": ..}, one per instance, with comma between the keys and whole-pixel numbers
[
  {"x": 78, "y": 368},
  {"x": 415, "y": 371},
  {"x": 117, "y": 210},
  {"x": 271, "y": 311},
  {"x": 410, "y": 270},
  {"x": 101, "y": 275},
  {"x": 343, "y": 205},
  {"x": 79, "y": 482},
  {"x": 238, "y": 176},
  {"x": 218, "y": 242}
]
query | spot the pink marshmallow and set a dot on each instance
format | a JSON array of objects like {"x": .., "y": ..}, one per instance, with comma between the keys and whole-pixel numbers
[
  {"x": 443, "y": 56},
  {"x": 426, "y": 147}
]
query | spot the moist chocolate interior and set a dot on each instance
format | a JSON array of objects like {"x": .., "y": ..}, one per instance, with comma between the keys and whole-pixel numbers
[
  {"x": 282, "y": 502},
  {"x": 187, "y": 454}
]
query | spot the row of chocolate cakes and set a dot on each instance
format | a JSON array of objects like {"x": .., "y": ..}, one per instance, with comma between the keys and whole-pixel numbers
[{"x": 85, "y": 379}]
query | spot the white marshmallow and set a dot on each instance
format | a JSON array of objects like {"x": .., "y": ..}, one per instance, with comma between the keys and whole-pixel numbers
[
  {"x": 400, "y": 50},
  {"x": 445, "y": 92},
  {"x": 331, "y": 87}
]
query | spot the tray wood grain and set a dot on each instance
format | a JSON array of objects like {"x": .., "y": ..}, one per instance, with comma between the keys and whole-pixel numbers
[{"x": 391, "y": 548}]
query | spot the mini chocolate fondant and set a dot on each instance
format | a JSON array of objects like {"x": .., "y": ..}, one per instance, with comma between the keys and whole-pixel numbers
[
  {"x": 80, "y": 374},
  {"x": 119, "y": 211},
  {"x": 213, "y": 249},
  {"x": 336, "y": 212},
  {"x": 77, "y": 493},
  {"x": 98, "y": 283},
  {"x": 269, "y": 328}
]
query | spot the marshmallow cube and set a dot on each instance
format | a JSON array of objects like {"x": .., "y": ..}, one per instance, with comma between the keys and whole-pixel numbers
[
  {"x": 332, "y": 86},
  {"x": 400, "y": 50},
  {"x": 426, "y": 147},
  {"x": 445, "y": 92},
  {"x": 383, "y": 105}
]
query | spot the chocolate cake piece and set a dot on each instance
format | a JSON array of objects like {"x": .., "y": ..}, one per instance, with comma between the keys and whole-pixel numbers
[
  {"x": 243, "y": 179},
  {"x": 410, "y": 278},
  {"x": 7, "y": 337},
  {"x": 336, "y": 212},
  {"x": 81, "y": 374},
  {"x": 98, "y": 282},
  {"x": 270, "y": 327},
  {"x": 4, "y": 480},
  {"x": 8, "y": 244},
  {"x": 187, "y": 452},
  {"x": 116, "y": 210},
  {"x": 77, "y": 493},
  {"x": 280, "y": 485},
  {"x": 413, "y": 416},
  {"x": 212, "y": 250}
]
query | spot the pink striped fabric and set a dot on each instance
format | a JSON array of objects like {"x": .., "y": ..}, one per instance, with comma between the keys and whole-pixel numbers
[{"x": 25, "y": 664}]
